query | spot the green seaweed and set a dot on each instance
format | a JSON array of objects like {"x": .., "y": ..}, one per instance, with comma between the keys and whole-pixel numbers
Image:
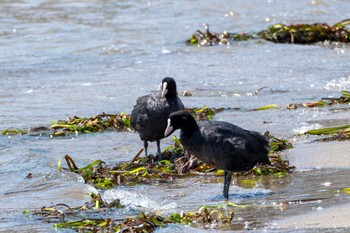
[
  {"x": 277, "y": 144},
  {"x": 266, "y": 107},
  {"x": 329, "y": 130},
  {"x": 337, "y": 133},
  {"x": 204, "y": 113}
]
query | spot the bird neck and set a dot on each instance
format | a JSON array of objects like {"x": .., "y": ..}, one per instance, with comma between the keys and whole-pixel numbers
[{"x": 189, "y": 128}]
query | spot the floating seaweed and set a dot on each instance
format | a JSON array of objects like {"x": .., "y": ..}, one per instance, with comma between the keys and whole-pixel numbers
[
  {"x": 78, "y": 125},
  {"x": 99, "y": 123},
  {"x": 278, "y": 33},
  {"x": 307, "y": 33}
]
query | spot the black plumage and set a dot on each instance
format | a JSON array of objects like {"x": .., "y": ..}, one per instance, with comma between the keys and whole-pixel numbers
[
  {"x": 221, "y": 144},
  {"x": 150, "y": 114}
]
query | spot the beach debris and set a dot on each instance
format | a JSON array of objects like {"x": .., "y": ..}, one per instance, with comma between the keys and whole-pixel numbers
[{"x": 186, "y": 93}]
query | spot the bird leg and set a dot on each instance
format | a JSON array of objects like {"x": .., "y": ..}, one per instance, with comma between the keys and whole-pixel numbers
[
  {"x": 145, "y": 145},
  {"x": 227, "y": 182},
  {"x": 159, "y": 153}
]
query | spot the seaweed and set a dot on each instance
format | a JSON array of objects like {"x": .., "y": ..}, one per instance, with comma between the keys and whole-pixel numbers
[
  {"x": 266, "y": 107},
  {"x": 208, "y": 38},
  {"x": 146, "y": 170},
  {"x": 338, "y": 133},
  {"x": 329, "y": 130},
  {"x": 65, "y": 217},
  {"x": 121, "y": 121},
  {"x": 277, "y": 144},
  {"x": 99, "y": 123},
  {"x": 278, "y": 33},
  {"x": 323, "y": 102},
  {"x": 175, "y": 164},
  {"x": 77, "y": 125},
  {"x": 307, "y": 33},
  {"x": 204, "y": 113}
]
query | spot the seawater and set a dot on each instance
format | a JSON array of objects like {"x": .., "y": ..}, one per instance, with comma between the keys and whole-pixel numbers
[{"x": 79, "y": 58}]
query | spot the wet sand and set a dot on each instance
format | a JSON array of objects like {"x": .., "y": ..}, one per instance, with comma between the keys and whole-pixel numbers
[
  {"x": 333, "y": 217},
  {"x": 319, "y": 155}
]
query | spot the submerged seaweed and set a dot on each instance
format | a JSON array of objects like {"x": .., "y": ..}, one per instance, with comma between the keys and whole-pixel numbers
[{"x": 278, "y": 33}]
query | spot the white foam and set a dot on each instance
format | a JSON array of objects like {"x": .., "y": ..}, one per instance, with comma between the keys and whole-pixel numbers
[
  {"x": 340, "y": 84},
  {"x": 305, "y": 128},
  {"x": 136, "y": 200}
]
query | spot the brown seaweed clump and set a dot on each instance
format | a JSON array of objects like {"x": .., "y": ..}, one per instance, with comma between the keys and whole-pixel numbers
[
  {"x": 279, "y": 33},
  {"x": 307, "y": 33}
]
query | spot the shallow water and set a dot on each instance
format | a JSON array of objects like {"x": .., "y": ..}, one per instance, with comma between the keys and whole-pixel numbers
[{"x": 66, "y": 58}]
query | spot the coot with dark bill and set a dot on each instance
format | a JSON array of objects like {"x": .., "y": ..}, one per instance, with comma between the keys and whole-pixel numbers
[
  {"x": 150, "y": 114},
  {"x": 221, "y": 144}
]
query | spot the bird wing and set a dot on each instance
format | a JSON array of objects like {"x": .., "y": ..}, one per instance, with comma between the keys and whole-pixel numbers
[{"x": 246, "y": 147}]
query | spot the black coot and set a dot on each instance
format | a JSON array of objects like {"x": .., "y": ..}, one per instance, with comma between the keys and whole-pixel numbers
[
  {"x": 150, "y": 114},
  {"x": 221, "y": 144}
]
